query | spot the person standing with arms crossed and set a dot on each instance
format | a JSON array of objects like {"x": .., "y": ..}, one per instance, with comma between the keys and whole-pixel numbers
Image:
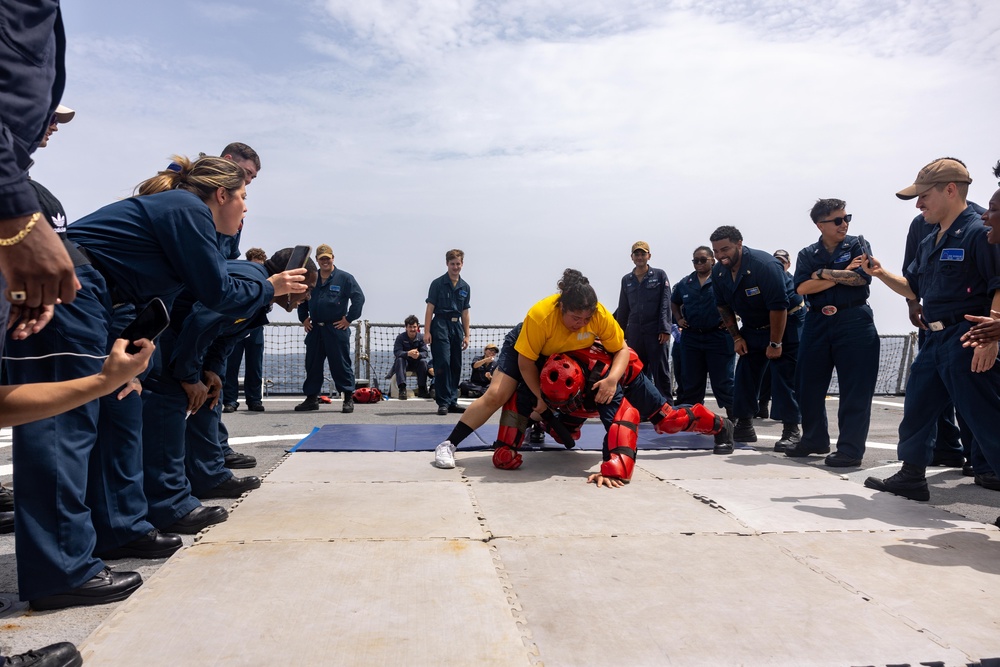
[{"x": 446, "y": 327}]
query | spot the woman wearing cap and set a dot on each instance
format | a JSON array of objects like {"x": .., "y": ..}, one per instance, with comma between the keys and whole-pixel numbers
[
  {"x": 84, "y": 467},
  {"x": 570, "y": 320},
  {"x": 482, "y": 372}
]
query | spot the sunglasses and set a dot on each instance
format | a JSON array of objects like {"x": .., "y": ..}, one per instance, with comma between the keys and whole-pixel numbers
[
  {"x": 700, "y": 260},
  {"x": 839, "y": 221}
]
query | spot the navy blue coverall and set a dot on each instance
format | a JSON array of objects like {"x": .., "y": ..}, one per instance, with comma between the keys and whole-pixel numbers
[
  {"x": 839, "y": 332},
  {"x": 706, "y": 348},
  {"x": 331, "y": 300},
  {"x": 643, "y": 314},
  {"x": 952, "y": 438},
  {"x": 84, "y": 467},
  {"x": 759, "y": 288},
  {"x": 447, "y": 334},
  {"x": 404, "y": 362},
  {"x": 952, "y": 277}
]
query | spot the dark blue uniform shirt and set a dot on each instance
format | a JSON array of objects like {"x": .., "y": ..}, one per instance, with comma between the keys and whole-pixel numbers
[
  {"x": 336, "y": 297},
  {"x": 644, "y": 306},
  {"x": 200, "y": 328},
  {"x": 957, "y": 275},
  {"x": 157, "y": 245},
  {"x": 697, "y": 302},
  {"x": 32, "y": 51},
  {"x": 919, "y": 229},
  {"x": 448, "y": 301},
  {"x": 759, "y": 288},
  {"x": 816, "y": 256},
  {"x": 404, "y": 344}
]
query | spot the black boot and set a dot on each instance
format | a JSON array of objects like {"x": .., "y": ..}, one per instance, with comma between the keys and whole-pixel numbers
[
  {"x": 724, "y": 438},
  {"x": 909, "y": 482},
  {"x": 311, "y": 403},
  {"x": 744, "y": 431},
  {"x": 790, "y": 436},
  {"x": 348, "y": 406}
]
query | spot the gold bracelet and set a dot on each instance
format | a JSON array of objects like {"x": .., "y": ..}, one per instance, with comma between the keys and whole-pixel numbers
[{"x": 17, "y": 238}]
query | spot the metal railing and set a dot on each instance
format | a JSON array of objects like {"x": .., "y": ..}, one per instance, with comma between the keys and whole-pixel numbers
[{"x": 372, "y": 343}]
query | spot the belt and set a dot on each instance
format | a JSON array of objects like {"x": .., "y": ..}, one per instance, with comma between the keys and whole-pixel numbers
[
  {"x": 790, "y": 311},
  {"x": 323, "y": 324},
  {"x": 833, "y": 310},
  {"x": 945, "y": 322},
  {"x": 448, "y": 317},
  {"x": 701, "y": 331}
]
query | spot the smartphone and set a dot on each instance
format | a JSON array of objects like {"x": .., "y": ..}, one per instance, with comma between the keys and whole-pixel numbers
[
  {"x": 149, "y": 323},
  {"x": 298, "y": 258},
  {"x": 865, "y": 248}
]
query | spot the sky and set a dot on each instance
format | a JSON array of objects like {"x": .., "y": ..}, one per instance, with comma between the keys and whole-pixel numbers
[{"x": 534, "y": 135}]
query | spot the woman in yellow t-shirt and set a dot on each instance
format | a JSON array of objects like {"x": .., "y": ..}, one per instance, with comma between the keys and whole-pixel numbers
[{"x": 565, "y": 322}]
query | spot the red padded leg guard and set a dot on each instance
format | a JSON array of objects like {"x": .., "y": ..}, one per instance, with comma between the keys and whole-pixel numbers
[
  {"x": 512, "y": 425},
  {"x": 621, "y": 443},
  {"x": 696, "y": 418}
]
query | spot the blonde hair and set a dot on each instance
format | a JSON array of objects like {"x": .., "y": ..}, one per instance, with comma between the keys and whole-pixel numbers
[{"x": 201, "y": 177}]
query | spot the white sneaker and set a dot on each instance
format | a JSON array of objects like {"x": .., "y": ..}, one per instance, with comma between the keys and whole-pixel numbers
[{"x": 444, "y": 455}]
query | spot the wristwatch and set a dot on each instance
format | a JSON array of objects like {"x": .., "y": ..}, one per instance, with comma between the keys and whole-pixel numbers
[{"x": 776, "y": 346}]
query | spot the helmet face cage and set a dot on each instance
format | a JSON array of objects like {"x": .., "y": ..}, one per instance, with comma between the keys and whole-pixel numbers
[{"x": 561, "y": 381}]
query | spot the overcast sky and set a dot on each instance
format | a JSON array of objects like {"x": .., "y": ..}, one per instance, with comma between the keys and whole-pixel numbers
[{"x": 534, "y": 134}]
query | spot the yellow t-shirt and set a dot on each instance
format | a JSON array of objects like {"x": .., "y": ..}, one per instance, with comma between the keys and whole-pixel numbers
[{"x": 544, "y": 333}]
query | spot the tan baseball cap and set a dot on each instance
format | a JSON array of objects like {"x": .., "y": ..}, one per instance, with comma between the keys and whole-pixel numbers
[
  {"x": 63, "y": 114},
  {"x": 940, "y": 171},
  {"x": 640, "y": 245},
  {"x": 324, "y": 250}
]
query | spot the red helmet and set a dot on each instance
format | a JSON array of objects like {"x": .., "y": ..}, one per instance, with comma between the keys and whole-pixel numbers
[{"x": 562, "y": 381}]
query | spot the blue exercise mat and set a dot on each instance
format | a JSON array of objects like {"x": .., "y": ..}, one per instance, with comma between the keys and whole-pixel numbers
[
  {"x": 383, "y": 438},
  {"x": 425, "y": 437}
]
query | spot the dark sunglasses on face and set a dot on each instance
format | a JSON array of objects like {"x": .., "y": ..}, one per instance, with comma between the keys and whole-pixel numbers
[
  {"x": 700, "y": 260},
  {"x": 839, "y": 221}
]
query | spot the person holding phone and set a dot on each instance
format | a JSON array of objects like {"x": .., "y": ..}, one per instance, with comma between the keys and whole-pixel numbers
[
  {"x": 955, "y": 274},
  {"x": 127, "y": 253},
  {"x": 839, "y": 333},
  {"x": 183, "y": 460}
]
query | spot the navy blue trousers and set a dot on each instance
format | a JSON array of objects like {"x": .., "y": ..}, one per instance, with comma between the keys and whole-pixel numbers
[
  {"x": 205, "y": 458},
  {"x": 750, "y": 369},
  {"x": 164, "y": 404},
  {"x": 943, "y": 369},
  {"x": 81, "y": 470},
  {"x": 253, "y": 375},
  {"x": 847, "y": 341},
  {"x": 417, "y": 366},
  {"x": 655, "y": 360},
  {"x": 446, "y": 355},
  {"x": 332, "y": 345},
  {"x": 710, "y": 355}
]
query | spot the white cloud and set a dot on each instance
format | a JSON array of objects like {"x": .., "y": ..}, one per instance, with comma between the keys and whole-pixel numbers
[{"x": 539, "y": 135}]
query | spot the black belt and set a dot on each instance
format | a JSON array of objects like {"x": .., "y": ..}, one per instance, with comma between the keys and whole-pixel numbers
[
  {"x": 945, "y": 322},
  {"x": 849, "y": 304},
  {"x": 701, "y": 331}
]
